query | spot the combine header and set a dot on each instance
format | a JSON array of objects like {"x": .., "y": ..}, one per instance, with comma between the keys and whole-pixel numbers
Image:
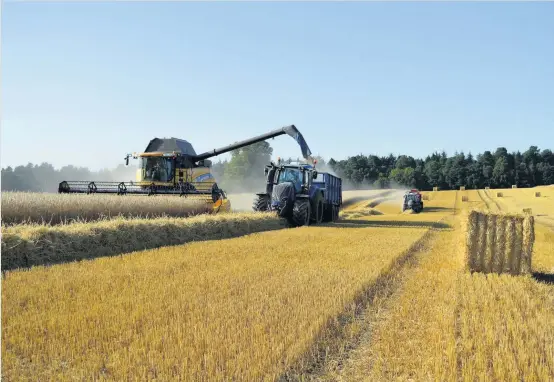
[{"x": 172, "y": 167}]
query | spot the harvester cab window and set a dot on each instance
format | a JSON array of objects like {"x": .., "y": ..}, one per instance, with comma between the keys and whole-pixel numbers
[{"x": 158, "y": 169}]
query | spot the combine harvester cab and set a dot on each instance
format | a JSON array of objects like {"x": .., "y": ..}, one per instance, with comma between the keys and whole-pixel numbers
[
  {"x": 412, "y": 200},
  {"x": 170, "y": 166},
  {"x": 300, "y": 194}
]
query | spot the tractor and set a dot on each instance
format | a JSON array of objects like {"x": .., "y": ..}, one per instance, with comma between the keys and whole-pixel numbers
[
  {"x": 300, "y": 194},
  {"x": 412, "y": 201}
]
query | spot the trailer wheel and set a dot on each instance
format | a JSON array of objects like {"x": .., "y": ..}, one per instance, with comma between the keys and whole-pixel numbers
[
  {"x": 318, "y": 209},
  {"x": 330, "y": 213}
]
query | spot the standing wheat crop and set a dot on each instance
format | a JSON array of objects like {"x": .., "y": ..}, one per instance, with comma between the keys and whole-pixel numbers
[{"x": 45, "y": 208}]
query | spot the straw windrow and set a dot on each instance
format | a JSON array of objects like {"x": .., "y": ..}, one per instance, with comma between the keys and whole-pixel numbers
[{"x": 29, "y": 245}]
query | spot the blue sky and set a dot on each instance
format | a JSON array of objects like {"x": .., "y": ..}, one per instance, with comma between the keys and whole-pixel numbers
[{"x": 86, "y": 83}]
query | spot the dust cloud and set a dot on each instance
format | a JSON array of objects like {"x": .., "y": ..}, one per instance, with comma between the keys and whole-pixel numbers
[{"x": 241, "y": 202}]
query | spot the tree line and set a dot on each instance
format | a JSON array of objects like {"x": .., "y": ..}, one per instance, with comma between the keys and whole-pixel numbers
[
  {"x": 243, "y": 172},
  {"x": 500, "y": 169}
]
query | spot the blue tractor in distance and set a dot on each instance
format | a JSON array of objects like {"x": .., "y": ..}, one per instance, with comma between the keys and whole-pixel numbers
[{"x": 300, "y": 194}]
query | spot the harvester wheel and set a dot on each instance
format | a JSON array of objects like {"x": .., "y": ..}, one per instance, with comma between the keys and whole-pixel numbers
[
  {"x": 301, "y": 213},
  {"x": 261, "y": 203}
]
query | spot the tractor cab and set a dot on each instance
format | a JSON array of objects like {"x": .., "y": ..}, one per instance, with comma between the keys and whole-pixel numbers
[
  {"x": 293, "y": 175},
  {"x": 411, "y": 195},
  {"x": 299, "y": 174}
]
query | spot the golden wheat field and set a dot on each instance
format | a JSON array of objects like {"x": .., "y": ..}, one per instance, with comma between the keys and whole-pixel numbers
[
  {"x": 379, "y": 295},
  {"x": 48, "y": 208}
]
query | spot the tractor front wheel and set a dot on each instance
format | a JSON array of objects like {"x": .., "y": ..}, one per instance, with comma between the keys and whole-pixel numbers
[
  {"x": 301, "y": 213},
  {"x": 261, "y": 203}
]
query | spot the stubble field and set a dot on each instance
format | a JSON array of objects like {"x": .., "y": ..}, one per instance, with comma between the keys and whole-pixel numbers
[{"x": 379, "y": 295}]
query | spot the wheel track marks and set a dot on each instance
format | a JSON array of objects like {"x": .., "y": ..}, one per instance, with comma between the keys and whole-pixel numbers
[{"x": 375, "y": 302}]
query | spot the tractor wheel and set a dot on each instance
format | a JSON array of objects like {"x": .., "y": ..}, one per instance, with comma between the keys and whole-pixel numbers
[
  {"x": 301, "y": 213},
  {"x": 261, "y": 203},
  {"x": 336, "y": 211},
  {"x": 318, "y": 208}
]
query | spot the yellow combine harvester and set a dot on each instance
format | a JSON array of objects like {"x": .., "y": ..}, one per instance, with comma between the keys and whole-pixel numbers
[{"x": 171, "y": 166}]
